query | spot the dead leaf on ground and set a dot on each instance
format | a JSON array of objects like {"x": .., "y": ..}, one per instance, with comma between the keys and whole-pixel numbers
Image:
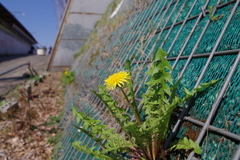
[{"x": 25, "y": 136}]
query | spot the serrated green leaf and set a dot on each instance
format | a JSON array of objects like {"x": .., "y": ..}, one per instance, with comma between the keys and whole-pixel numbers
[
  {"x": 96, "y": 154},
  {"x": 128, "y": 65},
  {"x": 174, "y": 89},
  {"x": 186, "y": 144},
  {"x": 159, "y": 54},
  {"x": 188, "y": 92}
]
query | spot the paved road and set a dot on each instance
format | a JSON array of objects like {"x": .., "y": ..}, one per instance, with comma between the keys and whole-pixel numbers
[{"x": 14, "y": 78}]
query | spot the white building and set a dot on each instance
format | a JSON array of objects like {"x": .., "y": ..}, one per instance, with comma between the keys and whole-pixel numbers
[{"x": 14, "y": 38}]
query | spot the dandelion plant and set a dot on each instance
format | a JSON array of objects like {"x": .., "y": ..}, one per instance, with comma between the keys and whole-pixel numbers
[{"x": 143, "y": 138}]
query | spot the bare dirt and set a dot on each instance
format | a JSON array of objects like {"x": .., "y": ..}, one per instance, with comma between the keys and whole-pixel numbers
[{"x": 31, "y": 131}]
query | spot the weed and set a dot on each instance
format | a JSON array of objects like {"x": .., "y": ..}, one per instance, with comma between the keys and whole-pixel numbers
[
  {"x": 211, "y": 16},
  {"x": 49, "y": 123},
  {"x": 93, "y": 57},
  {"x": 143, "y": 136},
  {"x": 110, "y": 24},
  {"x": 54, "y": 140},
  {"x": 12, "y": 93},
  {"x": 34, "y": 78},
  {"x": 67, "y": 77},
  {"x": 210, "y": 9},
  {"x": 59, "y": 102},
  {"x": 215, "y": 18},
  {"x": 54, "y": 119},
  {"x": 57, "y": 147},
  {"x": 2, "y": 102}
]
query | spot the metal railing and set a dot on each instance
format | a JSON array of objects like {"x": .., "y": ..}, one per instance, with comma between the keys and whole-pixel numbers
[{"x": 31, "y": 69}]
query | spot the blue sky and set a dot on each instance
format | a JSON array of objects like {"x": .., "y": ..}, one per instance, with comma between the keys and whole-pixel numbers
[{"x": 40, "y": 18}]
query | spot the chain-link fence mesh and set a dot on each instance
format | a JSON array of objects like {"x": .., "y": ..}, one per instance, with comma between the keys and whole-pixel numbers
[{"x": 203, "y": 43}]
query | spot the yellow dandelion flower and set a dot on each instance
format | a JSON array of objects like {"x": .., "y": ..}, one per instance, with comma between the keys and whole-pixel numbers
[
  {"x": 66, "y": 72},
  {"x": 116, "y": 80}
]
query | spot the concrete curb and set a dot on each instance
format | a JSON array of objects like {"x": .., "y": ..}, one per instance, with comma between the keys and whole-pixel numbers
[{"x": 9, "y": 106}]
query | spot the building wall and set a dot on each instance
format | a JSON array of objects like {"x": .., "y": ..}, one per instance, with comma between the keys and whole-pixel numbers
[{"x": 10, "y": 45}]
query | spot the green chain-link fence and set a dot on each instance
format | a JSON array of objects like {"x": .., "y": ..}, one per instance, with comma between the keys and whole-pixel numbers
[{"x": 202, "y": 38}]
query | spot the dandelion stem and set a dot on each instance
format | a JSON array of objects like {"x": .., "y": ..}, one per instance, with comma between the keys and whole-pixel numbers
[{"x": 135, "y": 111}]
